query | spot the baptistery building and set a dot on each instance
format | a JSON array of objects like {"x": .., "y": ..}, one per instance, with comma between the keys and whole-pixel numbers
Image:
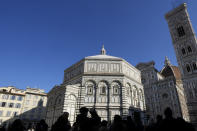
[{"x": 109, "y": 84}]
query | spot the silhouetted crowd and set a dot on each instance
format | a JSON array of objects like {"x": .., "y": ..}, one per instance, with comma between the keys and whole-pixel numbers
[{"x": 94, "y": 123}]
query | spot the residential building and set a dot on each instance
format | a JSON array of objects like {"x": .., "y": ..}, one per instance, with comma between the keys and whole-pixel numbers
[
  {"x": 11, "y": 103},
  {"x": 28, "y": 105}
]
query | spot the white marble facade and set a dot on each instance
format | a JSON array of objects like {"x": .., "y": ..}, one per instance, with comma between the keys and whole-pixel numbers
[
  {"x": 163, "y": 89},
  {"x": 107, "y": 83}
]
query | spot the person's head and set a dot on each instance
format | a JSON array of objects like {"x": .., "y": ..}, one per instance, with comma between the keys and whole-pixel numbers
[
  {"x": 137, "y": 117},
  {"x": 66, "y": 115},
  {"x": 168, "y": 113},
  {"x": 42, "y": 121},
  {"x": 129, "y": 118},
  {"x": 117, "y": 118},
  {"x": 63, "y": 117},
  {"x": 159, "y": 118},
  {"x": 83, "y": 111},
  {"x": 93, "y": 112},
  {"x": 17, "y": 123},
  {"x": 151, "y": 120},
  {"x": 104, "y": 123}
]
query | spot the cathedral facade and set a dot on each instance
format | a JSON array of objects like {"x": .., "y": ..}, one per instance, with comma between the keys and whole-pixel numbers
[
  {"x": 185, "y": 46},
  {"x": 109, "y": 84},
  {"x": 163, "y": 89}
]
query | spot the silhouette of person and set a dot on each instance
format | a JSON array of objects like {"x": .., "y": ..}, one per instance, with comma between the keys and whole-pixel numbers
[
  {"x": 95, "y": 120},
  {"x": 17, "y": 125},
  {"x": 169, "y": 123},
  {"x": 62, "y": 123},
  {"x": 138, "y": 122},
  {"x": 103, "y": 126},
  {"x": 30, "y": 127},
  {"x": 82, "y": 121},
  {"x": 2, "y": 128},
  {"x": 130, "y": 124},
  {"x": 75, "y": 127},
  {"x": 158, "y": 123},
  {"x": 117, "y": 124},
  {"x": 183, "y": 125},
  {"x": 41, "y": 126}
]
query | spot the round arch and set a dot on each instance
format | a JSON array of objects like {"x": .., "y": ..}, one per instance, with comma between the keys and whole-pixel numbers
[
  {"x": 90, "y": 81},
  {"x": 117, "y": 81},
  {"x": 71, "y": 107},
  {"x": 58, "y": 99},
  {"x": 103, "y": 87}
]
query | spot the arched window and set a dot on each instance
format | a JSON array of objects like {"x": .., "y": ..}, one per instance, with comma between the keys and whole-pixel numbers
[
  {"x": 103, "y": 90},
  {"x": 128, "y": 88},
  {"x": 90, "y": 89},
  {"x": 136, "y": 103},
  {"x": 140, "y": 95},
  {"x": 189, "y": 49},
  {"x": 194, "y": 66},
  {"x": 191, "y": 94},
  {"x": 50, "y": 101},
  {"x": 183, "y": 51},
  {"x": 165, "y": 96},
  {"x": 135, "y": 92},
  {"x": 58, "y": 99},
  {"x": 143, "y": 80},
  {"x": 40, "y": 103},
  {"x": 180, "y": 31},
  {"x": 188, "y": 68},
  {"x": 116, "y": 88},
  {"x": 195, "y": 91},
  {"x": 128, "y": 91},
  {"x": 102, "y": 87}
]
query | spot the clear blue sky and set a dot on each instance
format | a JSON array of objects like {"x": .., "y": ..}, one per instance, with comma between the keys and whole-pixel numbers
[{"x": 41, "y": 38}]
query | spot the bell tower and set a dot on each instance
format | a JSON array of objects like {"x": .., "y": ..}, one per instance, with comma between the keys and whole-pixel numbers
[{"x": 185, "y": 46}]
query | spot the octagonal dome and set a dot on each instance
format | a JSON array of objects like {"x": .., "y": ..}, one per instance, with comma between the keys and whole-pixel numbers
[
  {"x": 101, "y": 65},
  {"x": 103, "y": 57}
]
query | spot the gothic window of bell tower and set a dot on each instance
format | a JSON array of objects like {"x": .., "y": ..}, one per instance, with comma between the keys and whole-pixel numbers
[
  {"x": 183, "y": 51},
  {"x": 189, "y": 49},
  {"x": 194, "y": 66},
  {"x": 180, "y": 31},
  {"x": 191, "y": 94},
  {"x": 188, "y": 68}
]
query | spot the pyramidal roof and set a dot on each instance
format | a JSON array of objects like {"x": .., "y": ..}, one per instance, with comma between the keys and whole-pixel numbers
[{"x": 103, "y": 56}]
